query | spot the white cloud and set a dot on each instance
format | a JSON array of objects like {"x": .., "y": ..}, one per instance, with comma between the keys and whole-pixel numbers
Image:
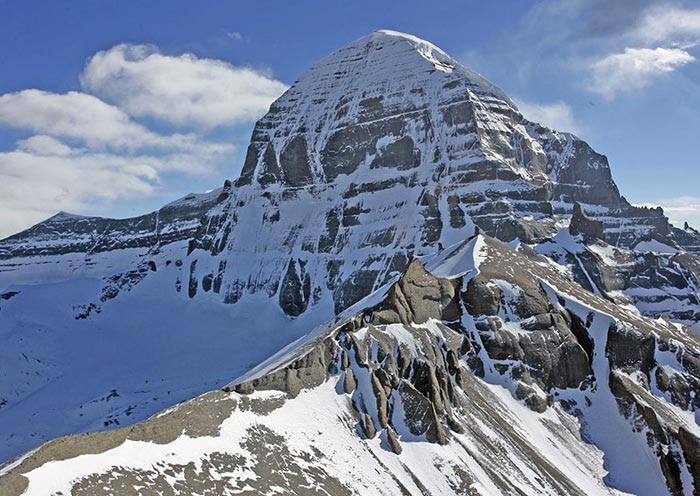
[
  {"x": 666, "y": 23},
  {"x": 36, "y": 186},
  {"x": 85, "y": 154},
  {"x": 43, "y": 145},
  {"x": 234, "y": 35},
  {"x": 84, "y": 118},
  {"x": 182, "y": 90},
  {"x": 634, "y": 69},
  {"x": 556, "y": 115}
]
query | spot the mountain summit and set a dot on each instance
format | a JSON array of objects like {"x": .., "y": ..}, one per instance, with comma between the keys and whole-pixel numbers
[
  {"x": 383, "y": 75},
  {"x": 457, "y": 296}
]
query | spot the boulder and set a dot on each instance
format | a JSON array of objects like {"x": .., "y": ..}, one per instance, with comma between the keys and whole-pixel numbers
[{"x": 393, "y": 440}]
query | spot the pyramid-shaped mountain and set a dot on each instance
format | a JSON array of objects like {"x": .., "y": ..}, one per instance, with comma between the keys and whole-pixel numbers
[{"x": 404, "y": 252}]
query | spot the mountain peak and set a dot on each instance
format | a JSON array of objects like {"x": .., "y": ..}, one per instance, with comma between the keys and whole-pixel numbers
[
  {"x": 405, "y": 47},
  {"x": 383, "y": 37},
  {"x": 374, "y": 104},
  {"x": 62, "y": 215}
]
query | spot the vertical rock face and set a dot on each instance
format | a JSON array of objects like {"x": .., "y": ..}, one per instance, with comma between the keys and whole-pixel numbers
[
  {"x": 294, "y": 160},
  {"x": 295, "y": 290}
]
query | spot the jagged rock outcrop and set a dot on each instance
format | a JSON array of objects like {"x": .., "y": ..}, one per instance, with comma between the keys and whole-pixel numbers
[
  {"x": 417, "y": 297},
  {"x": 523, "y": 335},
  {"x": 582, "y": 224}
]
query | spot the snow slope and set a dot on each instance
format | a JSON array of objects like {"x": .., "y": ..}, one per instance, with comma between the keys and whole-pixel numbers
[{"x": 66, "y": 368}]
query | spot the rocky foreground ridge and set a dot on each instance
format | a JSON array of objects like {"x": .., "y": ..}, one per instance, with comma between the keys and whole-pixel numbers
[
  {"x": 485, "y": 373},
  {"x": 572, "y": 342}
]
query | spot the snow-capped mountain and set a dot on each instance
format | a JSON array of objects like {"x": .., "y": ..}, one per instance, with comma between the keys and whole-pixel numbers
[{"x": 385, "y": 151}]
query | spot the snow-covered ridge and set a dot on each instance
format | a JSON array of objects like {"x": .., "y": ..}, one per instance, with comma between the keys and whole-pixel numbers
[
  {"x": 426, "y": 390},
  {"x": 72, "y": 241}
]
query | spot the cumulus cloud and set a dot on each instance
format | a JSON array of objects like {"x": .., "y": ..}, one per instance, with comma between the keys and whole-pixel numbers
[
  {"x": 87, "y": 153},
  {"x": 35, "y": 186},
  {"x": 666, "y": 23},
  {"x": 72, "y": 115},
  {"x": 611, "y": 47},
  {"x": 84, "y": 118},
  {"x": 557, "y": 115},
  {"x": 44, "y": 175},
  {"x": 634, "y": 69},
  {"x": 182, "y": 90},
  {"x": 43, "y": 145},
  {"x": 658, "y": 42}
]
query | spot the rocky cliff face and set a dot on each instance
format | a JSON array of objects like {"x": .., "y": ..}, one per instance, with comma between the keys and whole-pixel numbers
[{"x": 385, "y": 151}]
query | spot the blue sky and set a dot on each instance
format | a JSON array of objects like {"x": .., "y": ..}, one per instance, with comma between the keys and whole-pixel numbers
[{"x": 117, "y": 107}]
